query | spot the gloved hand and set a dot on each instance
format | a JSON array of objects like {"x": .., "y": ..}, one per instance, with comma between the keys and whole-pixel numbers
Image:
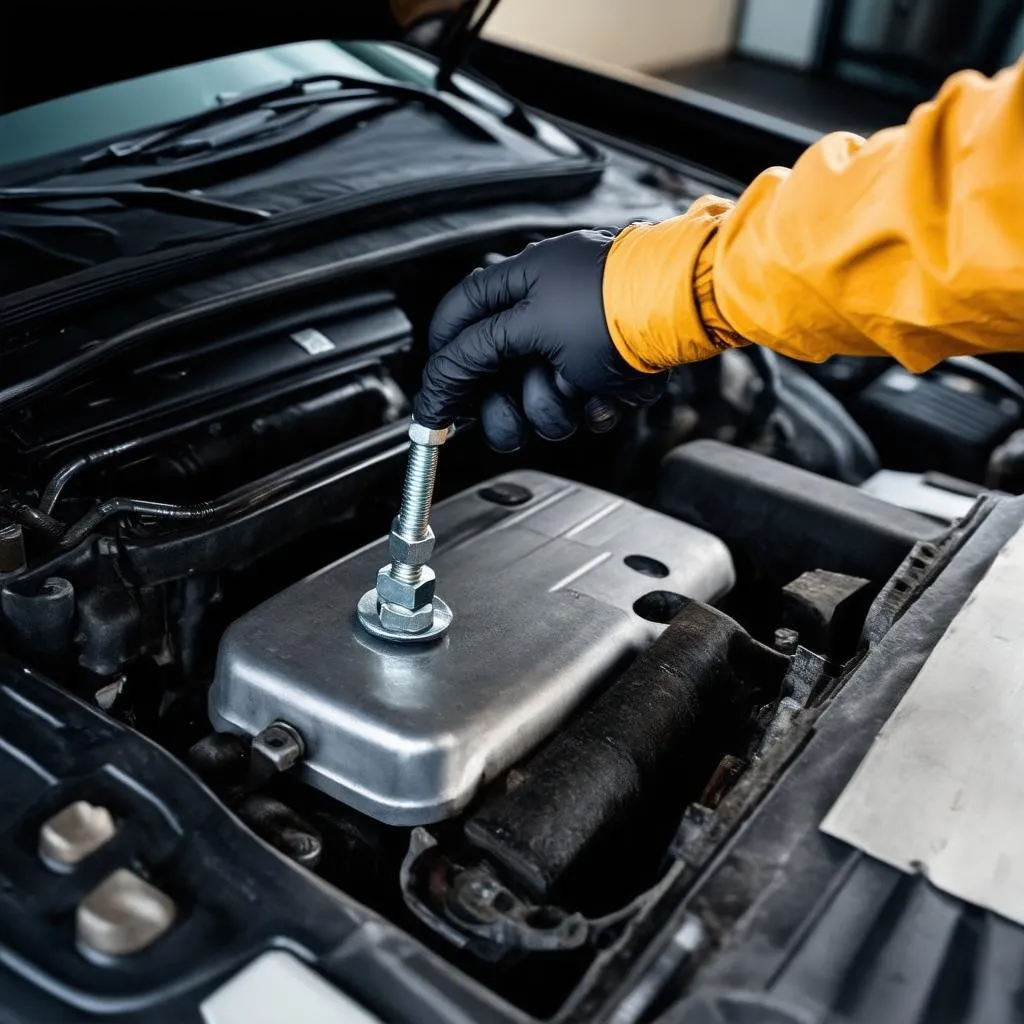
[{"x": 527, "y": 338}]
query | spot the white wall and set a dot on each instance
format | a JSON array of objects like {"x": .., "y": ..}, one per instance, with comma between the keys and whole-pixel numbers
[
  {"x": 638, "y": 34},
  {"x": 786, "y": 31}
]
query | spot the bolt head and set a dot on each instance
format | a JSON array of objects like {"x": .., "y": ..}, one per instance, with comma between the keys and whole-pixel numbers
[
  {"x": 411, "y": 552},
  {"x": 279, "y": 744},
  {"x": 786, "y": 640},
  {"x": 406, "y": 595},
  {"x": 404, "y": 620},
  {"x": 420, "y": 434}
]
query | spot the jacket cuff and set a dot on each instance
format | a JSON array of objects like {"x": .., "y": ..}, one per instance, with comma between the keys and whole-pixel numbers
[{"x": 658, "y": 290}]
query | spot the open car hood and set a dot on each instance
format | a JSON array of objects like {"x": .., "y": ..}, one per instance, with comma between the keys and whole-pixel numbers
[{"x": 50, "y": 49}]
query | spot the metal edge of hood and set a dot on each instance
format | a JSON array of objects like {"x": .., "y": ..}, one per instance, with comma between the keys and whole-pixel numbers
[{"x": 941, "y": 791}]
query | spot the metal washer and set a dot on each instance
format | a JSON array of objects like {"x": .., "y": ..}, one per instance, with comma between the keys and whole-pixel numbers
[{"x": 367, "y": 610}]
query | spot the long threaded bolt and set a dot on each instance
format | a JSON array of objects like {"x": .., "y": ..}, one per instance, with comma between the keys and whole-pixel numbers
[
  {"x": 404, "y": 605},
  {"x": 417, "y": 495}
]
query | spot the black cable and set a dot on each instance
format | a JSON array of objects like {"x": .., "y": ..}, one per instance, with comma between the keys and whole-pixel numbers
[
  {"x": 464, "y": 33},
  {"x": 766, "y": 366},
  {"x": 60, "y": 479},
  {"x": 200, "y": 513},
  {"x": 247, "y": 499},
  {"x": 30, "y": 517}
]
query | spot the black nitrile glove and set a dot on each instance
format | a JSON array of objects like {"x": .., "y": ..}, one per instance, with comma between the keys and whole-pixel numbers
[{"x": 527, "y": 339}]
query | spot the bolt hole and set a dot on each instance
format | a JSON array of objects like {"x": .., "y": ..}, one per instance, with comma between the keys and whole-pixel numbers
[
  {"x": 900, "y": 586},
  {"x": 647, "y": 566},
  {"x": 544, "y": 917},
  {"x": 56, "y": 588},
  {"x": 274, "y": 741},
  {"x": 503, "y": 902},
  {"x": 660, "y": 605},
  {"x": 506, "y": 493},
  {"x": 918, "y": 563}
]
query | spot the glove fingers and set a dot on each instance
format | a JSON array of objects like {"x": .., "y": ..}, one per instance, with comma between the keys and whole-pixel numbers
[
  {"x": 502, "y": 423},
  {"x": 453, "y": 374},
  {"x": 645, "y": 393},
  {"x": 486, "y": 291},
  {"x": 548, "y": 410}
]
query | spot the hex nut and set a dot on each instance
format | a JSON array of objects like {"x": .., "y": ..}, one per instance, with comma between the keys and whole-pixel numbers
[
  {"x": 280, "y": 744},
  {"x": 420, "y": 434},
  {"x": 411, "y": 596},
  {"x": 393, "y": 616},
  {"x": 411, "y": 552}
]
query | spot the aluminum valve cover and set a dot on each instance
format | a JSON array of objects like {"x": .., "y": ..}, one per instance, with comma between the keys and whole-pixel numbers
[{"x": 543, "y": 600}]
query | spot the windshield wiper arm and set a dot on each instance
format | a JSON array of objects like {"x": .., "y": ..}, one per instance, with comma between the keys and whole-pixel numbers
[
  {"x": 166, "y": 200},
  {"x": 349, "y": 87}
]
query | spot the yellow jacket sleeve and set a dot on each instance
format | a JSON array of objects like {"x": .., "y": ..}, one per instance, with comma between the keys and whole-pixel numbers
[{"x": 909, "y": 244}]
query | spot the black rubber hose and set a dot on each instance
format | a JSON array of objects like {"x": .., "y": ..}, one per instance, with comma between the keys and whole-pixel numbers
[
  {"x": 60, "y": 479},
  {"x": 766, "y": 366},
  {"x": 246, "y": 499},
  {"x": 105, "y": 510},
  {"x": 363, "y": 383},
  {"x": 30, "y": 517},
  {"x": 812, "y": 411}
]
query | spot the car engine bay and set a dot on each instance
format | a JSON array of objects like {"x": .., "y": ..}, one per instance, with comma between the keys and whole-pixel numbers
[
  {"x": 647, "y": 622},
  {"x": 641, "y": 618}
]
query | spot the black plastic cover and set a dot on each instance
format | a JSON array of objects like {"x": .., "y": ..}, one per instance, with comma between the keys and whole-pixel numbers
[
  {"x": 931, "y": 420},
  {"x": 780, "y": 521},
  {"x": 219, "y": 372}
]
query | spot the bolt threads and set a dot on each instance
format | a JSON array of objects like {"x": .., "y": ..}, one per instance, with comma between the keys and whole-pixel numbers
[
  {"x": 425, "y": 616},
  {"x": 410, "y": 574},
  {"x": 414, "y": 516}
]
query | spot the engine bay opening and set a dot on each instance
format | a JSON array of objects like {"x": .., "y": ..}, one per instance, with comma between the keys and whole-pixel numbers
[{"x": 646, "y": 622}]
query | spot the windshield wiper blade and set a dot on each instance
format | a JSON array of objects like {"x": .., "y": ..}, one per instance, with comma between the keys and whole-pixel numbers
[
  {"x": 166, "y": 200},
  {"x": 348, "y": 87}
]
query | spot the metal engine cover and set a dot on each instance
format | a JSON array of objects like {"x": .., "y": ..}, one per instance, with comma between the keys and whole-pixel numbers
[{"x": 543, "y": 600}]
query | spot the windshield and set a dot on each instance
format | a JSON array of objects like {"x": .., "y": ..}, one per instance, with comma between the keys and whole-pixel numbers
[{"x": 112, "y": 111}]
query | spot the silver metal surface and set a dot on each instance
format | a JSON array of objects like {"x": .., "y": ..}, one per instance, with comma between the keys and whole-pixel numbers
[
  {"x": 912, "y": 491},
  {"x": 122, "y": 915},
  {"x": 544, "y": 599},
  {"x": 75, "y": 832},
  {"x": 437, "y": 621},
  {"x": 405, "y": 593},
  {"x": 405, "y": 605},
  {"x": 279, "y": 744},
  {"x": 941, "y": 792},
  {"x": 313, "y": 341},
  {"x": 417, "y": 492},
  {"x": 420, "y": 434},
  {"x": 412, "y": 552}
]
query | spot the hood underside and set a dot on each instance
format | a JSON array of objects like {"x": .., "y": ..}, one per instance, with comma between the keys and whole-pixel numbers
[{"x": 50, "y": 49}]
